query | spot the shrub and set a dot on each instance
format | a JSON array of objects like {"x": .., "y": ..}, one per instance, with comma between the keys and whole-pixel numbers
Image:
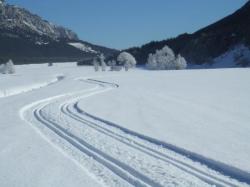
[{"x": 165, "y": 59}]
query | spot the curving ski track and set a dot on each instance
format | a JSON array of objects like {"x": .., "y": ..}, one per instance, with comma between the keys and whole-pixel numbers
[{"x": 126, "y": 158}]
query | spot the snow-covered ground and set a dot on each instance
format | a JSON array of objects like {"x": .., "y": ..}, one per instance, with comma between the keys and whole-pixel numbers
[
  {"x": 12, "y": 85},
  {"x": 69, "y": 126}
]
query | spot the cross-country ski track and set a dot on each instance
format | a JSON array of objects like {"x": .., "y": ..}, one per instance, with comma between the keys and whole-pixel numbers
[{"x": 116, "y": 156}]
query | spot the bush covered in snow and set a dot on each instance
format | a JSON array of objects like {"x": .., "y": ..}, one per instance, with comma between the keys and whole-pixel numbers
[
  {"x": 127, "y": 60},
  {"x": 165, "y": 59},
  {"x": 8, "y": 68}
]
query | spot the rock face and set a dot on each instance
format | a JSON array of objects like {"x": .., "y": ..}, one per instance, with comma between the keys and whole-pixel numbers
[
  {"x": 206, "y": 44},
  {"x": 19, "y": 21}
]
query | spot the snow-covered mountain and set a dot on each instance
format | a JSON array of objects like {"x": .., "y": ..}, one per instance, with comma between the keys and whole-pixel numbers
[
  {"x": 26, "y": 37},
  {"x": 15, "y": 19}
]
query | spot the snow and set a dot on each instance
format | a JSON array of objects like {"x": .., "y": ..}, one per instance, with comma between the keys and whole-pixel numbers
[
  {"x": 13, "y": 84},
  {"x": 204, "y": 111},
  {"x": 33, "y": 27},
  {"x": 86, "y": 128},
  {"x": 82, "y": 47},
  {"x": 41, "y": 43},
  {"x": 229, "y": 59},
  {"x": 25, "y": 158}
]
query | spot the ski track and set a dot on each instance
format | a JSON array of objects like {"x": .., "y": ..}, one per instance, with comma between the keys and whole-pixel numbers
[
  {"x": 147, "y": 149},
  {"x": 80, "y": 131}
]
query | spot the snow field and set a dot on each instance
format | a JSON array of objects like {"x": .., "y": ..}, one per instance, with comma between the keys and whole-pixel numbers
[{"x": 125, "y": 128}]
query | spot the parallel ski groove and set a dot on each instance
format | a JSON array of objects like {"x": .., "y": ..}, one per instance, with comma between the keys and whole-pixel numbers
[
  {"x": 122, "y": 170},
  {"x": 150, "y": 151},
  {"x": 222, "y": 168},
  {"x": 141, "y": 144}
]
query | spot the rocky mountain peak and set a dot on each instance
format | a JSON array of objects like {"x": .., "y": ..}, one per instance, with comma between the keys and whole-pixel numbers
[
  {"x": 20, "y": 21},
  {"x": 27, "y": 38}
]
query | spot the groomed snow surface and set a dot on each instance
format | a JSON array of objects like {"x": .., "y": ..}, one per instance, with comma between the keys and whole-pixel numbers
[{"x": 70, "y": 126}]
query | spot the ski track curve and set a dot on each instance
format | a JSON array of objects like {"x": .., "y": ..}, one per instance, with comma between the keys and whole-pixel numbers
[{"x": 151, "y": 149}]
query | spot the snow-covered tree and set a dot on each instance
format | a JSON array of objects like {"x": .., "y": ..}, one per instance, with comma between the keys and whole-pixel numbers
[
  {"x": 96, "y": 64},
  {"x": 112, "y": 65},
  {"x": 127, "y": 60},
  {"x": 181, "y": 63},
  {"x": 9, "y": 67},
  {"x": 165, "y": 59},
  {"x": 126, "y": 66},
  {"x": 103, "y": 64},
  {"x": 113, "y": 62},
  {"x": 152, "y": 64},
  {"x": 2, "y": 68}
]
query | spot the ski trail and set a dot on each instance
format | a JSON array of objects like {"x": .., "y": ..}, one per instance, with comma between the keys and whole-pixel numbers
[
  {"x": 147, "y": 149},
  {"x": 115, "y": 165},
  {"x": 226, "y": 170},
  {"x": 70, "y": 146},
  {"x": 120, "y": 157}
]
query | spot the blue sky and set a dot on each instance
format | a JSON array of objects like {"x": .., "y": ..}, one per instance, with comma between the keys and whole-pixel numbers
[{"x": 126, "y": 23}]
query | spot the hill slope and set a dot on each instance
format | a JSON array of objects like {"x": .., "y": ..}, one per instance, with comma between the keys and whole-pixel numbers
[{"x": 206, "y": 44}]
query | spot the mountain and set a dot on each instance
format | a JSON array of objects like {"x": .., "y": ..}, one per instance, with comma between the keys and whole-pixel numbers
[
  {"x": 26, "y": 38},
  {"x": 211, "y": 42}
]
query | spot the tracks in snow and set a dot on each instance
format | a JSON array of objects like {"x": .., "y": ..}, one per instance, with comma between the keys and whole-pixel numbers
[{"x": 125, "y": 158}]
